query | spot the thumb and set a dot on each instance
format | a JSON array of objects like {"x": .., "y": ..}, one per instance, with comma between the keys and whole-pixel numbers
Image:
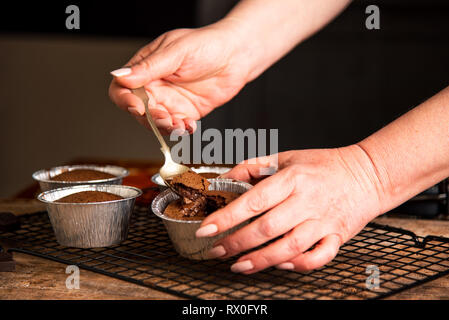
[{"x": 157, "y": 65}]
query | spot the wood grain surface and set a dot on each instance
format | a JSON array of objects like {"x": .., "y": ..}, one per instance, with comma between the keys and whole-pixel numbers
[{"x": 37, "y": 278}]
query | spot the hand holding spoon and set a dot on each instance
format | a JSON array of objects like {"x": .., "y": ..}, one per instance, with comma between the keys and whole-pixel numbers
[{"x": 170, "y": 168}]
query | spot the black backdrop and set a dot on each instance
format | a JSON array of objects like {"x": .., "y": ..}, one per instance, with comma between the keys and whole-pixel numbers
[
  {"x": 98, "y": 17},
  {"x": 334, "y": 89}
]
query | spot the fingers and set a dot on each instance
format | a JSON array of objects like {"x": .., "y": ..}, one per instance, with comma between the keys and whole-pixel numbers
[
  {"x": 144, "y": 122},
  {"x": 190, "y": 125},
  {"x": 124, "y": 99},
  {"x": 252, "y": 169},
  {"x": 178, "y": 125},
  {"x": 166, "y": 122},
  {"x": 262, "y": 197},
  {"x": 290, "y": 246},
  {"x": 146, "y": 50},
  {"x": 323, "y": 253},
  {"x": 157, "y": 65},
  {"x": 272, "y": 224}
]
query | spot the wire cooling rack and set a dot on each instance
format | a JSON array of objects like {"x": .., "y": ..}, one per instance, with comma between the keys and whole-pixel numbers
[{"x": 148, "y": 258}]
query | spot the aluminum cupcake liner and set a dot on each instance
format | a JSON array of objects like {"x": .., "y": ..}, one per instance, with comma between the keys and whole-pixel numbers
[
  {"x": 182, "y": 232},
  {"x": 156, "y": 178},
  {"x": 44, "y": 176},
  {"x": 90, "y": 225}
]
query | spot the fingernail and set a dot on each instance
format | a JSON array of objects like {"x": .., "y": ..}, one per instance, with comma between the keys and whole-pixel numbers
[
  {"x": 285, "y": 266},
  {"x": 206, "y": 230},
  {"x": 178, "y": 131},
  {"x": 134, "y": 111},
  {"x": 163, "y": 123},
  {"x": 192, "y": 125},
  {"x": 179, "y": 115},
  {"x": 121, "y": 72},
  {"x": 216, "y": 252},
  {"x": 242, "y": 266}
]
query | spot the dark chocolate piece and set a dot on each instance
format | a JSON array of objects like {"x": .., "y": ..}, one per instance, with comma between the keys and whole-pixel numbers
[
  {"x": 197, "y": 201},
  {"x": 7, "y": 264},
  {"x": 9, "y": 222},
  {"x": 5, "y": 256},
  {"x": 187, "y": 192},
  {"x": 193, "y": 208},
  {"x": 191, "y": 180}
]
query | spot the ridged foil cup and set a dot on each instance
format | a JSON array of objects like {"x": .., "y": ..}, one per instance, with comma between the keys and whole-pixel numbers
[
  {"x": 182, "y": 232},
  {"x": 90, "y": 225},
  {"x": 156, "y": 178},
  {"x": 44, "y": 176}
]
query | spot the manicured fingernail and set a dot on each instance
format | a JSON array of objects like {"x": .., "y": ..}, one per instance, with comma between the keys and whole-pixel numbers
[
  {"x": 192, "y": 125},
  {"x": 178, "y": 131},
  {"x": 206, "y": 230},
  {"x": 286, "y": 266},
  {"x": 179, "y": 115},
  {"x": 121, "y": 72},
  {"x": 164, "y": 123},
  {"x": 242, "y": 266},
  {"x": 216, "y": 252},
  {"x": 134, "y": 111}
]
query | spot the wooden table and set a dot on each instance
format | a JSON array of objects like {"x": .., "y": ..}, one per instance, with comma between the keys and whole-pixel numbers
[{"x": 37, "y": 278}]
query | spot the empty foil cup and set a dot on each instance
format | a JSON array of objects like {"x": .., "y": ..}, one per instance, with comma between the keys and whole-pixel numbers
[
  {"x": 44, "y": 176},
  {"x": 182, "y": 232},
  {"x": 90, "y": 225}
]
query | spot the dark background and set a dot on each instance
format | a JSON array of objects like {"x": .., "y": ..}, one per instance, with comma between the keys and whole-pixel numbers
[{"x": 334, "y": 89}]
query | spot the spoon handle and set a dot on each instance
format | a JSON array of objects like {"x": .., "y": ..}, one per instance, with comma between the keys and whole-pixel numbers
[{"x": 145, "y": 97}]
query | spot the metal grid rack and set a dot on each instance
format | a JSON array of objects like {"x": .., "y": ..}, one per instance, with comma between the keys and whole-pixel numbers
[{"x": 148, "y": 258}]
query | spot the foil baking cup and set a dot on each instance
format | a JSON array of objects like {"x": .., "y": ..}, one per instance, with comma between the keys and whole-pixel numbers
[
  {"x": 182, "y": 232},
  {"x": 156, "y": 178},
  {"x": 44, "y": 176},
  {"x": 90, "y": 225}
]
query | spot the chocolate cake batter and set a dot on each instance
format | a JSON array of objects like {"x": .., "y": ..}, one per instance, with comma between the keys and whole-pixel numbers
[
  {"x": 197, "y": 201},
  {"x": 209, "y": 175},
  {"x": 89, "y": 196},
  {"x": 82, "y": 175}
]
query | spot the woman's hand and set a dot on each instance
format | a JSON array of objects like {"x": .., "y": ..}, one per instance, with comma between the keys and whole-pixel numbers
[
  {"x": 188, "y": 71},
  {"x": 192, "y": 71},
  {"x": 321, "y": 197}
]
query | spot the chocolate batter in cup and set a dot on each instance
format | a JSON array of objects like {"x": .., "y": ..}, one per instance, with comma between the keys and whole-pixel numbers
[{"x": 182, "y": 231}]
